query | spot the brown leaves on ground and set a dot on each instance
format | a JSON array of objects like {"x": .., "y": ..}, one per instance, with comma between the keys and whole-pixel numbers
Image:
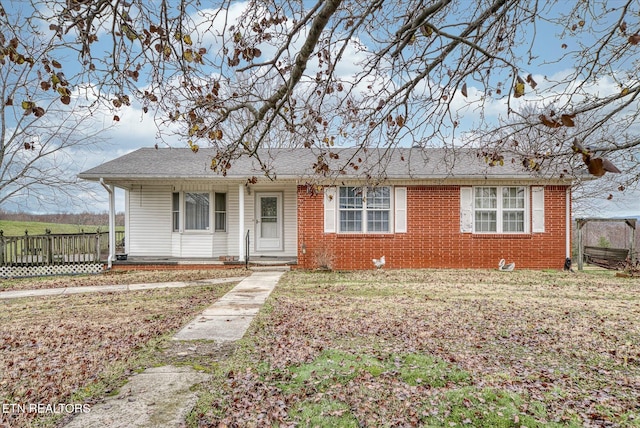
[
  {"x": 519, "y": 348},
  {"x": 53, "y": 347},
  {"x": 117, "y": 278}
]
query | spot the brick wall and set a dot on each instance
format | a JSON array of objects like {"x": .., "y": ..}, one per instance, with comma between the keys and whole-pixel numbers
[{"x": 433, "y": 239}]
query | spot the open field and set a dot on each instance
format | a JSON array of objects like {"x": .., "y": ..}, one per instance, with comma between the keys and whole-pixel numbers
[
  {"x": 17, "y": 228},
  {"x": 74, "y": 349},
  {"x": 436, "y": 348}
]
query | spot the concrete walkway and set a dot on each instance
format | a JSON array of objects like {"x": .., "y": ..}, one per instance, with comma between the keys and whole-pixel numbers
[{"x": 162, "y": 397}]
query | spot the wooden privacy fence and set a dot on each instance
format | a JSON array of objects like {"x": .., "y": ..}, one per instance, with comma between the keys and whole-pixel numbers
[{"x": 55, "y": 248}]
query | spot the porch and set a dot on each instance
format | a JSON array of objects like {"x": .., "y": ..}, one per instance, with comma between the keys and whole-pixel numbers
[{"x": 170, "y": 263}]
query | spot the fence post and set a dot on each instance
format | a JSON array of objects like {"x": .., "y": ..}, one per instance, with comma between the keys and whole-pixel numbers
[
  {"x": 26, "y": 249},
  {"x": 98, "y": 249},
  {"x": 1, "y": 247},
  {"x": 49, "y": 246}
]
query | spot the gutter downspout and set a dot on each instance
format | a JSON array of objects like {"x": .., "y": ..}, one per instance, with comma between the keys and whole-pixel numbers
[
  {"x": 568, "y": 223},
  {"x": 112, "y": 223}
]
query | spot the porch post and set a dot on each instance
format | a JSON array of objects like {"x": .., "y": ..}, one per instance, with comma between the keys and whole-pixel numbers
[
  {"x": 112, "y": 222},
  {"x": 241, "y": 232},
  {"x": 579, "y": 225}
]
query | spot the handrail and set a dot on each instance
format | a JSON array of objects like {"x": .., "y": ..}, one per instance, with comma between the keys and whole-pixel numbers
[
  {"x": 246, "y": 249},
  {"x": 52, "y": 248}
]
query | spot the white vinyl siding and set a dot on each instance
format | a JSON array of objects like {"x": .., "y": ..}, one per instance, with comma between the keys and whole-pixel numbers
[
  {"x": 233, "y": 213},
  {"x": 150, "y": 221},
  {"x": 151, "y": 218},
  {"x": 290, "y": 220}
]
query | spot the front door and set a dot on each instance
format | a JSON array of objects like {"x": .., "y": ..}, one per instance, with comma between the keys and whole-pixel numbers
[{"x": 269, "y": 222}]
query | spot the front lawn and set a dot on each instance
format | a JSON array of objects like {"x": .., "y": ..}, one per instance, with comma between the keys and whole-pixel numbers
[
  {"x": 74, "y": 349},
  {"x": 436, "y": 348},
  {"x": 118, "y": 277}
]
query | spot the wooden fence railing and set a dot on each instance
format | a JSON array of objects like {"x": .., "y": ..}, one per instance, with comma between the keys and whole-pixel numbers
[{"x": 55, "y": 248}]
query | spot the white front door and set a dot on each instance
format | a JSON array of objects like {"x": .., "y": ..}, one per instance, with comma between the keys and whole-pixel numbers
[{"x": 269, "y": 222}]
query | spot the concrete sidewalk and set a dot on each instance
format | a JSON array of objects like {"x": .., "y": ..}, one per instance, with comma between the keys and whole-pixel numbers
[
  {"x": 229, "y": 317},
  {"x": 17, "y": 294},
  {"x": 162, "y": 396}
]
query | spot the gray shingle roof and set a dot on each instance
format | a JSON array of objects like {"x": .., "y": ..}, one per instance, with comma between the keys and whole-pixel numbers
[{"x": 397, "y": 163}]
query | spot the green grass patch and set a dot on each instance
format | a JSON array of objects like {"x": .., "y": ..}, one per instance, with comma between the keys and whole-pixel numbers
[
  {"x": 324, "y": 414},
  {"x": 421, "y": 369},
  {"x": 17, "y": 228},
  {"x": 470, "y": 406},
  {"x": 333, "y": 367}
]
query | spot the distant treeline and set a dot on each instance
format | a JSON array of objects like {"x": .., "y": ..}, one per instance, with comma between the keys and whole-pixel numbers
[{"x": 83, "y": 219}]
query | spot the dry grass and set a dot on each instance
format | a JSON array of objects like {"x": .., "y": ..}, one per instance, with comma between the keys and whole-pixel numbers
[
  {"x": 509, "y": 349},
  {"x": 74, "y": 348},
  {"x": 118, "y": 277}
]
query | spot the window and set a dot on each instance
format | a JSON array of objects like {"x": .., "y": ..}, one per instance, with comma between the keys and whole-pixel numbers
[
  {"x": 378, "y": 206},
  {"x": 175, "y": 211},
  {"x": 196, "y": 211},
  {"x": 364, "y": 209},
  {"x": 499, "y": 209},
  {"x": 351, "y": 204},
  {"x": 221, "y": 212}
]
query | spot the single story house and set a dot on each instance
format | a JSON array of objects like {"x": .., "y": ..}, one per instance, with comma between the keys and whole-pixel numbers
[{"x": 419, "y": 208}]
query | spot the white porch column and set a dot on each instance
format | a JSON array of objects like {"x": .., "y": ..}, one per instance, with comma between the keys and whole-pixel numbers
[
  {"x": 112, "y": 222},
  {"x": 241, "y": 230}
]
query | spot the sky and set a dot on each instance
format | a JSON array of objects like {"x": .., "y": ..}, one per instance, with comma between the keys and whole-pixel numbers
[{"x": 136, "y": 130}]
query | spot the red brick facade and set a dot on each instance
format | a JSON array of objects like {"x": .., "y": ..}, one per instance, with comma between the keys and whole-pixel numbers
[{"x": 433, "y": 238}]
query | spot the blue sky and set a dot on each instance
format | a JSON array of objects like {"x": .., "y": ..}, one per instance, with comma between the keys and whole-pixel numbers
[{"x": 135, "y": 130}]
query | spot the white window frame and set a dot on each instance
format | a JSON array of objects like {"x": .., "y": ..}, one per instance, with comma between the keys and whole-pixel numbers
[
  {"x": 184, "y": 206},
  {"x": 181, "y": 213},
  {"x": 364, "y": 210},
  {"x": 217, "y": 212},
  {"x": 500, "y": 209},
  {"x": 176, "y": 212}
]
